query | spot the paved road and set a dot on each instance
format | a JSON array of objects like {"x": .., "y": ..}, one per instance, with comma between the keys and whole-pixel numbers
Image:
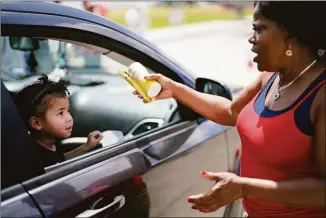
[{"x": 218, "y": 50}]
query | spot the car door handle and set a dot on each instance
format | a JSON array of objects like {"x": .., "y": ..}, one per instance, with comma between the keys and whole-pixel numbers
[{"x": 117, "y": 203}]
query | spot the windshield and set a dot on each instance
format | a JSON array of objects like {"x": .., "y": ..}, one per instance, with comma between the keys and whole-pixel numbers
[{"x": 16, "y": 64}]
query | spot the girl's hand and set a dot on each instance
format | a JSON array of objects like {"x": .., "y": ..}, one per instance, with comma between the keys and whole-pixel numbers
[{"x": 94, "y": 139}]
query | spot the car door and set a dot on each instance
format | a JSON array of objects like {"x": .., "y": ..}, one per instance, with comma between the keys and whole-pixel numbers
[{"x": 151, "y": 175}]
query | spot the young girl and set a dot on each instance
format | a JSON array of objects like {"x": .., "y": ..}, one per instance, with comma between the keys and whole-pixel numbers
[{"x": 45, "y": 109}]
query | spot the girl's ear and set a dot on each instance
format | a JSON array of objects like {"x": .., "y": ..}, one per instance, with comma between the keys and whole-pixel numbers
[{"x": 35, "y": 123}]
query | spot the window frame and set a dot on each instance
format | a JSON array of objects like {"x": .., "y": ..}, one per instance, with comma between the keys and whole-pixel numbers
[
  {"x": 110, "y": 43},
  {"x": 86, "y": 45}
]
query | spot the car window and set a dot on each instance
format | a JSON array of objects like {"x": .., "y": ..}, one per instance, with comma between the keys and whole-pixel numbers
[{"x": 100, "y": 98}]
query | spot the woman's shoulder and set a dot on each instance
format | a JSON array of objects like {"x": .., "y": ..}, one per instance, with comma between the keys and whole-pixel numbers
[
  {"x": 265, "y": 77},
  {"x": 319, "y": 101},
  {"x": 258, "y": 84}
]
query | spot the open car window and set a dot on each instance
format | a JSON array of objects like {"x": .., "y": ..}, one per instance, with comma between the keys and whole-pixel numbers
[{"x": 100, "y": 98}]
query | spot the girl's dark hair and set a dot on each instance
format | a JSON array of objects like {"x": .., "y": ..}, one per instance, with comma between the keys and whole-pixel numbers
[
  {"x": 34, "y": 99},
  {"x": 305, "y": 21}
]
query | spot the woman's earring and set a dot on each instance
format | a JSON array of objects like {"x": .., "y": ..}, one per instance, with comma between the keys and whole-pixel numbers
[
  {"x": 321, "y": 52},
  {"x": 289, "y": 52}
]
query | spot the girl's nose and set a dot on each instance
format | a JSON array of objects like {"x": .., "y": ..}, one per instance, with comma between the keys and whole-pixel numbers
[{"x": 69, "y": 118}]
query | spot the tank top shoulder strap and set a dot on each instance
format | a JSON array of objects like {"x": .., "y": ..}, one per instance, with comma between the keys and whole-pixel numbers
[
  {"x": 260, "y": 98},
  {"x": 312, "y": 89}
]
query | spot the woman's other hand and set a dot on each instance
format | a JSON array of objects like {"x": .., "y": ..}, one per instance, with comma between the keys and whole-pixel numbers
[{"x": 227, "y": 189}]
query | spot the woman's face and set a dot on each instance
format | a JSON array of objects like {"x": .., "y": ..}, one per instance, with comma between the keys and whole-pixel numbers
[{"x": 269, "y": 43}]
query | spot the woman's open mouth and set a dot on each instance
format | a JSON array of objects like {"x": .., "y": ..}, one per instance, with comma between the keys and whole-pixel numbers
[{"x": 255, "y": 59}]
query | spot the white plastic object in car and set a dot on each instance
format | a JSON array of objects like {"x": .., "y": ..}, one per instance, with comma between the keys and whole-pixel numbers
[{"x": 110, "y": 137}]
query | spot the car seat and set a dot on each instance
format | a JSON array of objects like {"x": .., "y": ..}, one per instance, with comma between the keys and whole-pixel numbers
[{"x": 20, "y": 160}]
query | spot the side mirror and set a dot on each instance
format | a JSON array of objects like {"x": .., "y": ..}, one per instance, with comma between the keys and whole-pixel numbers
[
  {"x": 213, "y": 88},
  {"x": 24, "y": 43}
]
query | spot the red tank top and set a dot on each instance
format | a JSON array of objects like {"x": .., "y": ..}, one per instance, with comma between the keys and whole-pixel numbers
[{"x": 274, "y": 148}]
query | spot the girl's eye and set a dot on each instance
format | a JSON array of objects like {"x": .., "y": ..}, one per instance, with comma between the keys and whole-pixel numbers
[{"x": 61, "y": 113}]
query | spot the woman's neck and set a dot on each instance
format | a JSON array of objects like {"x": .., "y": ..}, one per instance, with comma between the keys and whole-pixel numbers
[
  {"x": 296, "y": 65},
  {"x": 45, "y": 141}
]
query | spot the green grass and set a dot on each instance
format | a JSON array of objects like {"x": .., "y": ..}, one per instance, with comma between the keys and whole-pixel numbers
[{"x": 192, "y": 14}]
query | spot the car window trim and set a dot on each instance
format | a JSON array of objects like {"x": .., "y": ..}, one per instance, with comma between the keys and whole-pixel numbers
[{"x": 11, "y": 191}]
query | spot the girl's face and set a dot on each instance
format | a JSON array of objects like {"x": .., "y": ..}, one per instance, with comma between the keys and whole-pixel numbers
[
  {"x": 269, "y": 43},
  {"x": 57, "y": 120}
]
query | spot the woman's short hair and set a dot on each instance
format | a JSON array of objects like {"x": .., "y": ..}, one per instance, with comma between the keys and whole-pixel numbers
[{"x": 305, "y": 21}]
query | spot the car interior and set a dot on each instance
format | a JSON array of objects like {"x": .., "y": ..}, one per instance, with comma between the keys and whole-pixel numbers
[{"x": 100, "y": 99}]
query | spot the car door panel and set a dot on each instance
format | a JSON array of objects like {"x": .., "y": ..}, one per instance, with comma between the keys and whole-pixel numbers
[
  {"x": 175, "y": 175},
  {"x": 63, "y": 194},
  {"x": 171, "y": 181},
  {"x": 165, "y": 146},
  {"x": 16, "y": 202},
  {"x": 180, "y": 138},
  {"x": 234, "y": 145}
]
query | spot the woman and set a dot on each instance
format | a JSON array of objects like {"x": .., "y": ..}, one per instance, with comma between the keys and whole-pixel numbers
[{"x": 280, "y": 117}]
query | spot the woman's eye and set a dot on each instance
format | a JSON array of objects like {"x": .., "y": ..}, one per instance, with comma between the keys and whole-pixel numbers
[{"x": 256, "y": 29}]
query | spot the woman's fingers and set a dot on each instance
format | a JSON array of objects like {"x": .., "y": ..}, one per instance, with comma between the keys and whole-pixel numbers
[
  {"x": 153, "y": 77},
  {"x": 201, "y": 199},
  {"x": 138, "y": 95},
  {"x": 197, "y": 199},
  {"x": 206, "y": 208}
]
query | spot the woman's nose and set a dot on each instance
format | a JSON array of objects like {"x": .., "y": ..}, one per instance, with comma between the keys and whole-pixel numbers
[{"x": 251, "y": 39}]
